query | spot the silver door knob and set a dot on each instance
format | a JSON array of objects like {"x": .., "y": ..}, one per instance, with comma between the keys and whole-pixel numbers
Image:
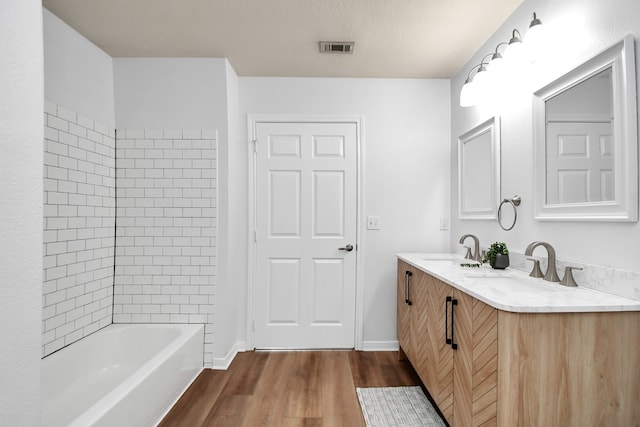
[{"x": 347, "y": 248}]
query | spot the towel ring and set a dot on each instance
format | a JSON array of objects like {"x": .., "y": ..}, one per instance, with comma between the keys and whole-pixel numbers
[{"x": 515, "y": 202}]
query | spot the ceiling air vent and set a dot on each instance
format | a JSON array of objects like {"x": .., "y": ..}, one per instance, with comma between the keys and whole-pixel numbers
[{"x": 336, "y": 47}]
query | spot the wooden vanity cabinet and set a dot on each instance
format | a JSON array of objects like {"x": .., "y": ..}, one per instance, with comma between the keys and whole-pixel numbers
[
  {"x": 412, "y": 315},
  {"x": 463, "y": 373},
  {"x": 405, "y": 274},
  {"x": 519, "y": 369},
  {"x": 569, "y": 369},
  {"x": 461, "y": 381}
]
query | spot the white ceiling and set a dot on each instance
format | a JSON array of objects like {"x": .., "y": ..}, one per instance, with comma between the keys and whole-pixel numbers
[{"x": 394, "y": 38}]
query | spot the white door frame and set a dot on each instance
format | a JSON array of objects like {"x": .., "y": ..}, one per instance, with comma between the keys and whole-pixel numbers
[{"x": 252, "y": 121}]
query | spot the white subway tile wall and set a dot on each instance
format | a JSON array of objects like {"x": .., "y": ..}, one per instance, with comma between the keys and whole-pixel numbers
[
  {"x": 164, "y": 244},
  {"x": 79, "y": 224},
  {"x": 166, "y": 228}
]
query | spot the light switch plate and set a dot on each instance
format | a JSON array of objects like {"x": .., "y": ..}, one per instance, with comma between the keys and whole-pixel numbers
[
  {"x": 444, "y": 224},
  {"x": 374, "y": 223}
]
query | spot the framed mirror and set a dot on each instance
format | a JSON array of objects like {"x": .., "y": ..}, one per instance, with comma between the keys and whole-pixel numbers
[
  {"x": 479, "y": 171},
  {"x": 586, "y": 141}
]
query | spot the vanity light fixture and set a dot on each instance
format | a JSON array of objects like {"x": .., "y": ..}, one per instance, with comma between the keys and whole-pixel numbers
[
  {"x": 482, "y": 79},
  {"x": 515, "y": 49},
  {"x": 497, "y": 62},
  {"x": 468, "y": 94},
  {"x": 474, "y": 87},
  {"x": 534, "y": 39},
  {"x": 515, "y": 53},
  {"x": 535, "y": 29}
]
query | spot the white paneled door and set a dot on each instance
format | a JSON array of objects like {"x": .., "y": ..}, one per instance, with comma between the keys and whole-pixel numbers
[
  {"x": 306, "y": 199},
  {"x": 579, "y": 162}
]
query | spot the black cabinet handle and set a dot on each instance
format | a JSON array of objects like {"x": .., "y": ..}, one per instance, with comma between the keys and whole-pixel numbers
[
  {"x": 454, "y": 345},
  {"x": 407, "y": 283},
  {"x": 447, "y": 340}
]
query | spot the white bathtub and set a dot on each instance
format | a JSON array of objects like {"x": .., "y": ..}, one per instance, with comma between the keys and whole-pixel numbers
[{"x": 122, "y": 375}]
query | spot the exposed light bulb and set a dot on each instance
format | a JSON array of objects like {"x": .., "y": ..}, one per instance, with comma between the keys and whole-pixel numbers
[
  {"x": 515, "y": 52},
  {"x": 482, "y": 82},
  {"x": 468, "y": 94},
  {"x": 534, "y": 40},
  {"x": 497, "y": 65}
]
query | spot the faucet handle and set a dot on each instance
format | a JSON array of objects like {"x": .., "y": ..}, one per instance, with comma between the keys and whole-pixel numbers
[
  {"x": 536, "y": 271},
  {"x": 568, "y": 279},
  {"x": 468, "y": 255}
]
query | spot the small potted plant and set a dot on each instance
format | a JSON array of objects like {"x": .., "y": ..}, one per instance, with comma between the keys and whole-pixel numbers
[{"x": 497, "y": 256}]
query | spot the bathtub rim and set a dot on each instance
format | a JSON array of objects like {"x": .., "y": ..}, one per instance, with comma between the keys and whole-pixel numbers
[{"x": 108, "y": 401}]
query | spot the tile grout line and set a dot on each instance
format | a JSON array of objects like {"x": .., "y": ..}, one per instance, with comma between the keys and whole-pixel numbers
[{"x": 115, "y": 220}]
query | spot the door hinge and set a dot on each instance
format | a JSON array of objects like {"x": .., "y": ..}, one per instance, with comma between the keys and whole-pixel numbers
[
  {"x": 254, "y": 326},
  {"x": 255, "y": 236},
  {"x": 255, "y": 145}
]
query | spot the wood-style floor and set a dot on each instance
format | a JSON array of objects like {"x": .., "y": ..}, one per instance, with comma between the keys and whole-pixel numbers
[{"x": 288, "y": 389}]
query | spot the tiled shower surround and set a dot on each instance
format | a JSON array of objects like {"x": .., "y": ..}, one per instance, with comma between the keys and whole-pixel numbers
[
  {"x": 79, "y": 216},
  {"x": 166, "y": 228},
  {"x": 156, "y": 193}
]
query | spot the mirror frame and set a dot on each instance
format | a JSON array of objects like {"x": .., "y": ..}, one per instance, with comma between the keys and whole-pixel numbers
[
  {"x": 491, "y": 126},
  {"x": 620, "y": 57}
]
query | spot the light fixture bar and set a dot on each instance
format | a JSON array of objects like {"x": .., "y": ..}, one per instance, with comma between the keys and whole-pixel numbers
[{"x": 488, "y": 73}]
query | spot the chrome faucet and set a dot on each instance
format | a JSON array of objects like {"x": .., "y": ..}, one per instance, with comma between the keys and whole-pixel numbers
[
  {"x": 476, "y": 247},
  {"x": 551, "y": 275}
]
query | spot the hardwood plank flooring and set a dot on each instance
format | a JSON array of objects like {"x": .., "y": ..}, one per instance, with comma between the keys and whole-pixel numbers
[{"x": 288, "y": 389}]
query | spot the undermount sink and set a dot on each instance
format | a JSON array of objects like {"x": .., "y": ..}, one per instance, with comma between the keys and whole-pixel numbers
[
  {"x": 441, "y": 257},
  {"x": 485, "y": 272},
  {"x": 508, "y": 283},
  {"x": 449, "y": 259}
]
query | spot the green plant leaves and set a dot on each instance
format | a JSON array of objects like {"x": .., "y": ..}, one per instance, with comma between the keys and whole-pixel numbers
[{"x": 494, "y": 249}]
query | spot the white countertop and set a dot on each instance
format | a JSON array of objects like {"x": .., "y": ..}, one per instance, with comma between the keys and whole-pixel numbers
[{"x": 513, "y": 290}]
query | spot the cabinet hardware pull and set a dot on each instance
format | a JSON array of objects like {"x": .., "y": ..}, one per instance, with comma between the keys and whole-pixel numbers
[
  {"x": 454, "y": 345},
  {"x": 407, "y": 283},
  {"x": 447, "y": 340}
]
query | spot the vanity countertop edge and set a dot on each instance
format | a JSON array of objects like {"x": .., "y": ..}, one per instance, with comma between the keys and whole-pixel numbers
[{"x": 513, "y": 290}]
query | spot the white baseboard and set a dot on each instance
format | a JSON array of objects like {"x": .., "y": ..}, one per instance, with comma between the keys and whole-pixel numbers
[
  {"x": 380, "y": 346},
  {"x": 222, "y": 363}
]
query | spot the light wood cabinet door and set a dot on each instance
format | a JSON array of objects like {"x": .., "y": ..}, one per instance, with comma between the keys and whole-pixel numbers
[
  {"x": 412, "y": 314},
  {"x": 475, "y": 329},
  {"x": 420, "y": 295},
  {"x": 404, "y": 309},
  {"x": 439, "y": 376},
  {"x": 462, "y": 381},
  {"x": 569, "y": 369}
]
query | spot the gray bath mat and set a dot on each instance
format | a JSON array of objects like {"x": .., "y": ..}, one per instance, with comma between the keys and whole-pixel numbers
[{"x": 397, "y": 406}]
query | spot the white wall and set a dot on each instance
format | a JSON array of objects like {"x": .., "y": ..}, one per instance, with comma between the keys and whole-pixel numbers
[
  {"x": 231, "y": 197},
  {"x": 78, "y": 75},
  {"x": 406, "y": 165},
  {"x": 579, "y": 29},
  {"x": 21, "y": 154},
  {"x": 170, "y": 93}
]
